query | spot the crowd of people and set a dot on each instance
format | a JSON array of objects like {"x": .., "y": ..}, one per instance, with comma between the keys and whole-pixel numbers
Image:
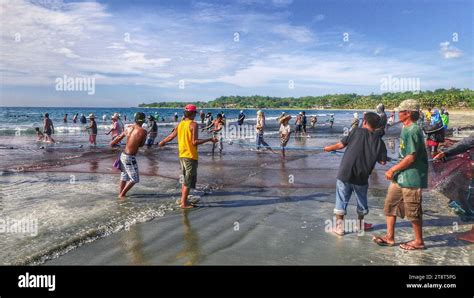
[{"x": 363, "y": 144}]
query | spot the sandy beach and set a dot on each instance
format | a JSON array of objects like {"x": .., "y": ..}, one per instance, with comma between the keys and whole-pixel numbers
[{"x": 255, "y": 208}]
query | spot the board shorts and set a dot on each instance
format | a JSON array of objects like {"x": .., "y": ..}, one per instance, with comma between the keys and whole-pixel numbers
[
  {"x": 129, "y": 168},
  {"x": 48, "y": 132},
  {"x": 403, "y": 202},
  {"x": 189, "y": 171},
  {"x": 298, "y": 128},
  {"x": 92, "y": 138}
]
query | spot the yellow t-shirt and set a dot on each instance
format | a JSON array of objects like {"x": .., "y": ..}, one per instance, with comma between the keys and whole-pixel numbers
[{"x": 185, "y": 141}]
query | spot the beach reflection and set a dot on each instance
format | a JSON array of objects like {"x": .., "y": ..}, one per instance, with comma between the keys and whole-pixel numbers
[
  {"x": 191, "y": 250},
  {"x": 94, "y": 166},
  {"x": 133, "y": 246}
]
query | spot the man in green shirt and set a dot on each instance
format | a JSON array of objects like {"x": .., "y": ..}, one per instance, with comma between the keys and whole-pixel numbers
[{"x": 408, "y": 178}]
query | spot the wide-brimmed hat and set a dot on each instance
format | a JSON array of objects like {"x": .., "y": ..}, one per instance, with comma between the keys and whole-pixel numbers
[
  {"x": 91, "y": 116},
  {"x": 408, "y": 105},
  {"x": 285, "y": 118},
  {"x": 115, "y": 116}
]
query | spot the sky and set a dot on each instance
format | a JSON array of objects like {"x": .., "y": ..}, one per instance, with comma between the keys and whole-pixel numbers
[{"x": 189, "y": 50}]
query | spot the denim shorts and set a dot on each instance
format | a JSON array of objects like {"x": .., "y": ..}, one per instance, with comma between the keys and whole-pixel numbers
[{"x": 343, "y": 194}]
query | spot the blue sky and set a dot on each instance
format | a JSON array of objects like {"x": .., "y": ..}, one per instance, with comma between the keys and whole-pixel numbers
[{"x": 139, "y": 51}]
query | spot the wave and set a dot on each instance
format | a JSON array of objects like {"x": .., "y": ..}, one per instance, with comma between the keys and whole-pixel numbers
[{"x": 92, "y": 234}]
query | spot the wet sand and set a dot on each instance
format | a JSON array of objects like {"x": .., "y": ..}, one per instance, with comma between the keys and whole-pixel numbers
[
  {"x": 255, "y": 209},
  {"x": 253, "y": 215}
]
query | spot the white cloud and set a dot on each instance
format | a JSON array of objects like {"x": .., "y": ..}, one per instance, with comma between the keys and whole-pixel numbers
[
  {"x": 296, "y": 33},
  {"x": 66, "y": 52},
  {"x": 448, "y": 51},
  {"x": 86, "y": 39}
]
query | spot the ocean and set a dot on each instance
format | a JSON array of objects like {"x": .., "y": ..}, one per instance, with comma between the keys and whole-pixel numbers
[{"x": 57, "y": 198}]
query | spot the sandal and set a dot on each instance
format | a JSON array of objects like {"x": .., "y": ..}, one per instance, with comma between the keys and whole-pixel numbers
[
  {"x": 408, "y": 246},
  {"x": 381, "y": 241}
]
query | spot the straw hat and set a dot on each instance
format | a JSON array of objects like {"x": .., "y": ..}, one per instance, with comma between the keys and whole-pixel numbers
[
  {"x": 91, "y": 116},
  {"x": 115, "y": 116},
  {"x": 285, "y": 118}
]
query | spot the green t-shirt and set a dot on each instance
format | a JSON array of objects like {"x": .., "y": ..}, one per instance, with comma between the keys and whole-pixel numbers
[
  {"x": 445, "y": 119},
  {"x": 412, "y": 142}
]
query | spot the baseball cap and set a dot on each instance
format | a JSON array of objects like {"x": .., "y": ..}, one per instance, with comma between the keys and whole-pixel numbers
[
  {"x": 408, "y": 105},
  {"x": 140, "y": 117},
  {"x": 190, "y": 108}
]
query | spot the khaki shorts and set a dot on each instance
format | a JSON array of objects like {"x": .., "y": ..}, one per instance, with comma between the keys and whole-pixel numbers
[
  {"x": 403, "y": 202},
  {"x": 189, "y": 171}
]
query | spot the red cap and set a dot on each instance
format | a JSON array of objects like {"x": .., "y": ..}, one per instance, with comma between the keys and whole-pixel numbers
[{"x": 190, "y": 108}]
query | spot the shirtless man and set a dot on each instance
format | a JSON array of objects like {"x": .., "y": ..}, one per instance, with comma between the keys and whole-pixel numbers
[
  {"x": 48, "y": 128},
  {"x": 218, "y": 124},
  {"x": 136, "y": 137}
]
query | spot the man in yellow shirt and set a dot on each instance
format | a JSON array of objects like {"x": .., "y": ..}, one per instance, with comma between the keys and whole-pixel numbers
[
  {"x": 428, "y": 115},
  {"x": 188, "y": 140}
]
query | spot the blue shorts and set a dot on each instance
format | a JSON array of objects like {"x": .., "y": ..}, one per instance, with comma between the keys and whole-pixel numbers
[
  {"x": 343, "y": 194},
  {"x": 150, "y": 141}
]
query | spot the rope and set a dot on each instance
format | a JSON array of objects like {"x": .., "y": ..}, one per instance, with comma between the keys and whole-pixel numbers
[{"x": 279, "y": 147}]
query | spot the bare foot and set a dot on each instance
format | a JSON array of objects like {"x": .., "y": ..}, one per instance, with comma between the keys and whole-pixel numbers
[
  {"x": 187, "y": 207},
  {"x": 338, "y": 231}
]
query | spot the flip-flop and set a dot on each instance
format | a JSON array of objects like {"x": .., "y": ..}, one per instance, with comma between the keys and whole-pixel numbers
[
  {"x": 367, "y": 227},
  {"x": 382, "y": 242},
  {"x": 406, "y": 246}
]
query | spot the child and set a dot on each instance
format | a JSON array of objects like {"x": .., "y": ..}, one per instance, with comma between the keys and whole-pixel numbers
[
  {"x": 364, "y": 147},
  {"x": 39, "y": 135},
  {"x": 285, "y": 131}
]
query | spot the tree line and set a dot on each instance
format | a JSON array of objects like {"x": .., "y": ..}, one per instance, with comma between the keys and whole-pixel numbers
[{"x": 449, "y": 98}]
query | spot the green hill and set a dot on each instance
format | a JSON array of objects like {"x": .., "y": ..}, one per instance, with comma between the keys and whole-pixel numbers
[{"x": 451, "y": 98}]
